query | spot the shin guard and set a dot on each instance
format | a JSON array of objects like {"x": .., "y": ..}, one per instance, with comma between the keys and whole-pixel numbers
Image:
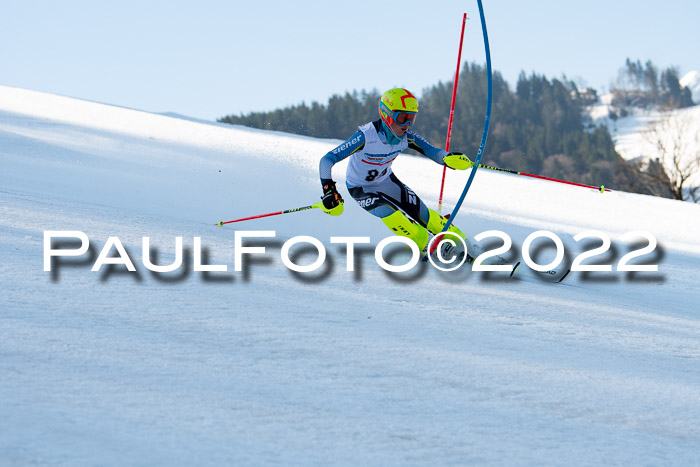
[{"x": 402, "y": 225}]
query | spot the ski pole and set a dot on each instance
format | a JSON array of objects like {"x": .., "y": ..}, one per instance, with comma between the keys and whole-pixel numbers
[
  {"x": 317, "y": 205},
  {"x": 600, "y": 188},
  {"x": 452, "y": 111}
]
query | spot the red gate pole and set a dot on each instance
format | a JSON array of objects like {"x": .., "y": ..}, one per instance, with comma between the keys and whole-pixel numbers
[{"x": 452, "y": 110}]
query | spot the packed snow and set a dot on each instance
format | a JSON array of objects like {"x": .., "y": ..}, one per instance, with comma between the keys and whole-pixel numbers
[{"x": 363, "y": 367}]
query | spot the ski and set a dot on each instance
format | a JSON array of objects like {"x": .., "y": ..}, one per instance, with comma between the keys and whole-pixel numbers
[
  {"x": 517, "y": 272},
  {"x": 553, "y": 275}
]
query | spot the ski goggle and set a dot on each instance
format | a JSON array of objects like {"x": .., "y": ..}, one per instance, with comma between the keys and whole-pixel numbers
[{"x": 405, "y": 118}]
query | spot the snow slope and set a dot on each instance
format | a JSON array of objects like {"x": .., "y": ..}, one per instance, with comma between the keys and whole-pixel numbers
[
  {"x": 268, "y": 366},
  {"x": 633, "y": 141},
  {"x": 634, "y": 134}
]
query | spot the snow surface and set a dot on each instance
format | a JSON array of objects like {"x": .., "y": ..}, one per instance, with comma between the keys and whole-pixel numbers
[{"x": 268, "y": 366}]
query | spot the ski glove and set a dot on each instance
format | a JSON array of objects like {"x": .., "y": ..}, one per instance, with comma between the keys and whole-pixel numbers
[
  {"x": 457, "y": 161},
  {"x": 332, "y": 201}
]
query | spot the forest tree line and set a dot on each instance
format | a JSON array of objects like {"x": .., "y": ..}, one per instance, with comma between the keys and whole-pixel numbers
[{"x": 537, "y": 128}]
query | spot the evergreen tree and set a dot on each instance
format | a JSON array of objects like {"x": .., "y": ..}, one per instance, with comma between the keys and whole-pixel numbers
[{"x": 649, "y": 87}]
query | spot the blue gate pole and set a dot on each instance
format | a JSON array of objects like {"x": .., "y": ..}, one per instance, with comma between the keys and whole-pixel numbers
[{"x": 486, "y": 122}]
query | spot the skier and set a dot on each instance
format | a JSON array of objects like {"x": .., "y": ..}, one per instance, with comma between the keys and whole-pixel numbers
[{"x": 371, "y": 182}]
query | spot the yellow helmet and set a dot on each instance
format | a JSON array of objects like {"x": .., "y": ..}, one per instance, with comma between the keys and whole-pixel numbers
[{"x": 396, "y": 101}]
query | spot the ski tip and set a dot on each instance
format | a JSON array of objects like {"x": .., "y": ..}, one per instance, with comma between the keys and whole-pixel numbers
[
  {"x": 564, "y": 276},
  {"x": 514, "y": 268},
  {"x": 220, "y": 223}
]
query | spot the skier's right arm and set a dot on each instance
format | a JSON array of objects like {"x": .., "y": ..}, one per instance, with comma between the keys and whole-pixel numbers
[
  {"x": 355, "y": 143},
  {"x": 331, "y": 198}
]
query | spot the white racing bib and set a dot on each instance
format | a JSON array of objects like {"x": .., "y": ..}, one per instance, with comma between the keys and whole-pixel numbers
[{"x": 372, "y": 164}]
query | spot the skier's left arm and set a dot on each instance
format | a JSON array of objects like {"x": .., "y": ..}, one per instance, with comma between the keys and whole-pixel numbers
[{"x": 453, "y": 160}]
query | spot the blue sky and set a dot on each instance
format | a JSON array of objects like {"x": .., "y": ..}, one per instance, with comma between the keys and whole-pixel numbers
[{"x": 207, "y": 59}]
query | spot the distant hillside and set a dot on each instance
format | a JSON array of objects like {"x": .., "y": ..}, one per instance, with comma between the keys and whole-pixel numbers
[
  {"x": 536, "y": 128},
  {"x": 653, "y": 135},
  {"x": 547, "y": 127}
]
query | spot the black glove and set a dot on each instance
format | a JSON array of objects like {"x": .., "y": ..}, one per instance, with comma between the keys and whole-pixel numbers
[{"x": 331, "y": 198}]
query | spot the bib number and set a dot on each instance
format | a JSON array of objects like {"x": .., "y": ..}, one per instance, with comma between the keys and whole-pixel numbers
[{"x": 372, "y": 174}]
